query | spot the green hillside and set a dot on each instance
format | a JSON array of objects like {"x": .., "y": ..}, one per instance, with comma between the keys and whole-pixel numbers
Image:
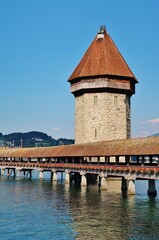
[{"x": 31, "y": 139}]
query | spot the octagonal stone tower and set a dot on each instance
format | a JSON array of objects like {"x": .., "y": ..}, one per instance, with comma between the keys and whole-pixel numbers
[{"x": 102, "y": 84}]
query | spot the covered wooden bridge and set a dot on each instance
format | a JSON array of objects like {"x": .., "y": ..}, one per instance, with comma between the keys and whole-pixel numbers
[{"x": 129, "y": 159}]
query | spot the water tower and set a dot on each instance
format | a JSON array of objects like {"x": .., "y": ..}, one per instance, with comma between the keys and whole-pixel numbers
[{"x": 102, "y": 84}]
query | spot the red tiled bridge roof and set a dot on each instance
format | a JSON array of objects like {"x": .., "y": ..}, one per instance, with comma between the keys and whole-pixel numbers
[{"x": 133, "y": 146}]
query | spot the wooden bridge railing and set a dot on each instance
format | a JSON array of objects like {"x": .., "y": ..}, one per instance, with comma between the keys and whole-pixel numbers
[{"x": 88, "y": 167}]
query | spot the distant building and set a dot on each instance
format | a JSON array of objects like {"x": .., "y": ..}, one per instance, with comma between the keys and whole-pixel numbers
[{"x": 102, "y": 84}]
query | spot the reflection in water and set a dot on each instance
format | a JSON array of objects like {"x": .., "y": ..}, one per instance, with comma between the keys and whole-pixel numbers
[
  {"x": 34, "y": 210},
  {"x": 104, "y": 215},
  {"x": 147, "y": 215},
  {"x": 31, "y": 209}
]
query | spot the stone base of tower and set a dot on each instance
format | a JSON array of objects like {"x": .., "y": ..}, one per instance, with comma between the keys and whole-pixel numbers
[{"x": 102, "y": 116}]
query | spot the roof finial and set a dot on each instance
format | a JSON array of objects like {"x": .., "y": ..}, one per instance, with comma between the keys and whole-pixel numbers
[
  {"x": 101, "y": 32},
  {"x": 102, "y": 29}
]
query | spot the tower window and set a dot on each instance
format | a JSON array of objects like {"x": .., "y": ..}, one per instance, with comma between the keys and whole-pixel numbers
[
  {"x": 95, "y": 133},
  {"x": 95, "y": 100}
]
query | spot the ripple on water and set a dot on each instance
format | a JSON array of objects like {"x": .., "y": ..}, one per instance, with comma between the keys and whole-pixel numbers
[{"x": 33, "y": 209}]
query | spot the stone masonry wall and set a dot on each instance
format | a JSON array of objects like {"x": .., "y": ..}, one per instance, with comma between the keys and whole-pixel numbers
[{"x": 102, "y": 116}]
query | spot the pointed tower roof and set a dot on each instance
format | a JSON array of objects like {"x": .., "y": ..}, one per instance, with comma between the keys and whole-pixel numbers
[{"x": 102, "y": 59}]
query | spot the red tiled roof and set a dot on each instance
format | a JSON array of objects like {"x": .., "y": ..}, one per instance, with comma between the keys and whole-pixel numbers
[
  {"x": 102, "y": 58},
  {"x": 132, "y": 146}
]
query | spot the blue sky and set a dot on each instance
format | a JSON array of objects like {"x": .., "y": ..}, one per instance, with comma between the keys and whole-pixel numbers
[{"x": 42, "y": 41}]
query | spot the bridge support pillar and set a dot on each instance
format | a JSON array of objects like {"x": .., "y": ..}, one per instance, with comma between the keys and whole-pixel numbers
[
  {"x": 151, "y": 188},
  {"x": 2, "y": 171},
  {"x": 10, "y": 171},
  {"x": 67, "y": 177},
  {"x": 124, "y": 185},
  {"x": 41, "y": 174},
  {"x": 103, "y": 183},
  {"x": 83, "y": 179},
  {"x": 71, "y": 177},
  {"x": 131, "y": 187},
  {"x": 24, "y": 173},
  {"x": 54, "y": 175},
  {"x": 62, "y": 175},
  {"x": 28, "y": 173},
  {"x": 14, "y": 174}
]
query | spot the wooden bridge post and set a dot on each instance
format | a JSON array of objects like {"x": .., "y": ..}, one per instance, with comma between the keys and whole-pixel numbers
[
  {"x": 138, "y": 160},
  {"x": 127, "y": 160},
  {"x": 143, "y": 160},
  {"x": 150, "y": 160},
  {"x": 30, "y": 173},
  {"x": 14, "y": 173},
  {"x": 8, "y": 172},
  {"x": 24, "y": 173},
  {"x": 124, "y": 185},
  {"x": 80, "y": 160},
  {"x": 151, "y": 188},
  {"x": 106, "y": 160},
  {"x": 117, "y": 160}
]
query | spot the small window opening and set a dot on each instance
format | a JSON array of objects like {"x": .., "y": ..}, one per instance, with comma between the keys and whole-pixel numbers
[
  {"x": 95, "y": 100},
  {"x": 95, "y": 133}
]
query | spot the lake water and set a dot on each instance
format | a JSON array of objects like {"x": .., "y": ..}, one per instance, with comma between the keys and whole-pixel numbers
[{"x": 40, "y": 209}]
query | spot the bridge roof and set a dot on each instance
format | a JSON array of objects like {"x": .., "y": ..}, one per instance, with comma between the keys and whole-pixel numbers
[
  {"x": 102, "y": 59},
  {"x": 133, "y": 146}
]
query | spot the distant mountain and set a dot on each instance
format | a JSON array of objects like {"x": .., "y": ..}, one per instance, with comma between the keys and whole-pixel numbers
[
  {"x": 155, "y": 135},
  {"x": 31, "y": 139}
]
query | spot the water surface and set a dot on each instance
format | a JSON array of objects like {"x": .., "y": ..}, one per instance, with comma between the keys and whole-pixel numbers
[{"x": 34, "y": 209}]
